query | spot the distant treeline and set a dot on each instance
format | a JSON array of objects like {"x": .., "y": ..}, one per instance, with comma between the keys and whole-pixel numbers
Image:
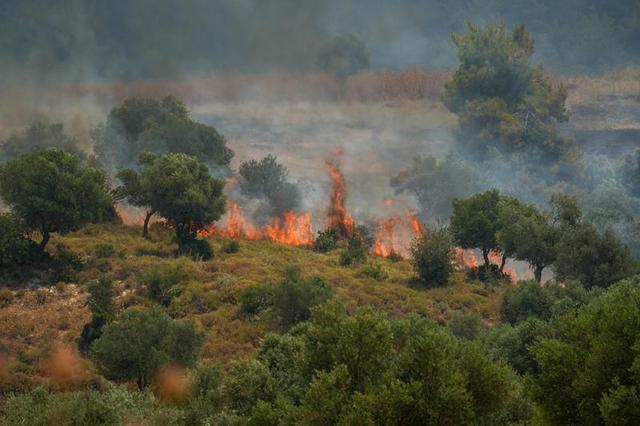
[{"x": 79, "y": 39}]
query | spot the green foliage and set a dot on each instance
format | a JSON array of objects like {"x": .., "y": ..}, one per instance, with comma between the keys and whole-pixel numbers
[
  {"x": 375, "y": 271},
  {"x": 343, "y": 55},
  {"x": 196, "y": 249},
  {"x": 248, "y": 382},
  {"x": 112, "y": 407},
  {"x": 527, "y": 235},
  {"x": 502, "y": 99},
  {"x": 180, "y": 189},
  {"x": 15, "y": 246},
  {"x": 326, "y": 240},
  {"x": 432, "y": 258},
  {"x": 75, "y": 194},
  {"x": 294, "y": 297},
  {"x": 355, "y": 252},
  {"x": 466, "y": 325},
  {"x": 268, "y": 179},
  {"x": 39, "y": 135},
  {"x": 589, "y": 370},
  {"x": 139, "y": 343},
  {"x": 254, "y": 300},
  {"x": 159, "y": 126},
  {"x": 475, "y": 222},
  {"x": 102, "y": 307},
  {"x": 104, "y": 251},
  {"x": 163, "y": 282},
  {"x": 594, "y": 259},
  {"x": 525, "y": 300}
]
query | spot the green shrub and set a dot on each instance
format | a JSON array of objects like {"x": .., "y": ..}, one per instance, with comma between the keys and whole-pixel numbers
[
  {"x": 141, "y": 342},
  {"x": 294, "y": 297},
  {"x": 104, "y": 251},
  {"x": 432, "y": 258},
  {"x": 102, "y": 308},
  {"x": 526, "y": 300},
  {"x": 326, "y": 240},
  {"x": 466, "y": 325},
  {"x": 232, "y": 246},
  {"x": 255, "y": 300},
  {"x": 375, "y": 271},
  {"x": 15, "y": 247},
  {"x": 197, "y": 249},
  {"x": 162, "y": 282},
  {"x": 354, "y": 253}
]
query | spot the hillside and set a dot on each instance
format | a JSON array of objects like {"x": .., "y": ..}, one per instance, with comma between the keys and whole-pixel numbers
[{"x": 36, "y": 320}]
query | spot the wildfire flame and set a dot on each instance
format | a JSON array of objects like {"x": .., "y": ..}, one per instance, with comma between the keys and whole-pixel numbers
[
  {"x": 394, "y": 235},
  {"x": 384, "y": 237},
  {"x": 293, "y": 229},
  {"x": 337, "y": 215},
  {"x": 466, "y": 258}
]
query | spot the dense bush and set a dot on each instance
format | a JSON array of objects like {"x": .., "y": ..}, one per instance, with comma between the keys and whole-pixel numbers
[
  {"x": 526, "y": 300},
  {"x": 254, "y": 300},
  {"x": 76, "y": 193},
  {"x": 294, "y": 297},
  {"x": 432, "y": 258},
  {"x": 355, "y": 252},
  {"x": 326, "y": 240},
  {"x": 15, "y": 247},
  {"x": 163, "y": 282},
  {"x": 588, "y": 371},
  {"x": 196, "y": 249},
  {"x": 232, "y": 246},
  {"x": 138, "y": 343}
]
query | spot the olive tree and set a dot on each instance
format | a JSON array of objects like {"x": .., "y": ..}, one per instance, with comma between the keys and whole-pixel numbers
[
  {"x": 51, "y": 190},
  {"x": 177, "y": 187}
]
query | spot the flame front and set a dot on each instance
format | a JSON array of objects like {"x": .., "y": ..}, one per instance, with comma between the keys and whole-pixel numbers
[
  {"x": 337, "y": 215},
  {"x": 293, "y": 229}
]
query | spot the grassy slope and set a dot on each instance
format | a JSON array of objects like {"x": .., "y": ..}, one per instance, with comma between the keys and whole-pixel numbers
[{"x": 37, "y": 320}]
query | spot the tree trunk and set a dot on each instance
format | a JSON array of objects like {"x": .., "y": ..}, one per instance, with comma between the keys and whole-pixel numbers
[
  {"x": 145, "y": 227},
  {"x": 537, "y": 273},
  {"x": 503, "y": 262},
  {"x": 45, "y": 240},
  {"x": 485, "y": 256},
  {"x": 140, "y": 385}
]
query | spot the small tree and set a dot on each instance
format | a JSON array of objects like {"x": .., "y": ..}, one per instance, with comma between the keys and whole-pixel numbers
[
  {"x": 432, "y": 257},
  {"x": 178, "y": 188},
  {"x": 269, "y": 179},
  {"x": 475, "y": 222},
  {"x": 51, "y": 190},
  {"x": 294, "y": 297},
  {"x": 527, "y": 235},
  {"x": 102, "y": 309},
  {"x": 139, "y": 343}
]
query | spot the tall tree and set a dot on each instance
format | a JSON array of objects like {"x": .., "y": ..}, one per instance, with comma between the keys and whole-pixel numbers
[
  {"x": 501, "y": 98},
  {"x": 475, "y": 222}
]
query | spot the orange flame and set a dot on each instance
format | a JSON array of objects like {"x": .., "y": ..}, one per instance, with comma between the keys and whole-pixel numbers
[
  {"x": 466, "y": 258},
  {"x": 337, "y": 216},
  {"x": 414, "y": 222},
  {"x": 384, "y": 237},
  {"x": 293, "y": 229}
]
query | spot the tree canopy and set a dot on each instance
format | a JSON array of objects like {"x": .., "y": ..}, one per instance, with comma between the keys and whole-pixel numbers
[
  {"x": 52, "y": 190},
  {"x": 177, "y": 187},
  {"x": 159, "y": 126},
  {"x": 38, "y": 135},
  {"x": 140, "y": 342},
  {"x": 502, "y": 99}
]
